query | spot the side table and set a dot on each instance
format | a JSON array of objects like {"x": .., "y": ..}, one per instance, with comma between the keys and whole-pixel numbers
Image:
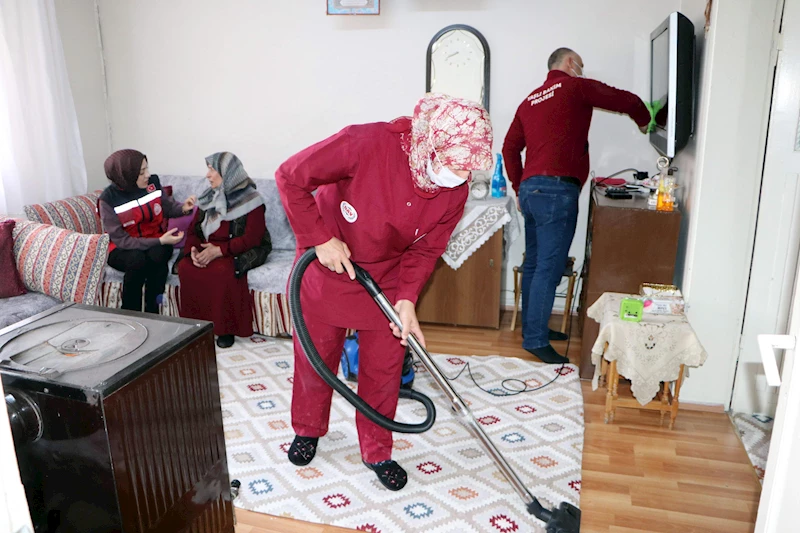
[
  {"x": 668, "y": 402},
  {"x": 653, "y": 354}
]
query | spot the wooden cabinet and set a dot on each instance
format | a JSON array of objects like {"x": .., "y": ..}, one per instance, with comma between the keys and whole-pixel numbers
[
  {"x": 469, "y": 296},
  {"x": 627, "y": 244}
]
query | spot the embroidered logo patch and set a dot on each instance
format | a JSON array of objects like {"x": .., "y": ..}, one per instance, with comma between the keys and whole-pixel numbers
[
  {"x": 348, "y": 212},
  {"x": 151, "y": 188},
  {"x": 157, "y": 209}
]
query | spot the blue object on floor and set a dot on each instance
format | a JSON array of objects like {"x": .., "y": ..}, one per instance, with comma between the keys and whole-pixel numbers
[{"x": 350, "y": 363}]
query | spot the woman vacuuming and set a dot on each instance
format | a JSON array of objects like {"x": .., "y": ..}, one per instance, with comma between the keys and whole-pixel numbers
[{"x": 388, "y": 196}]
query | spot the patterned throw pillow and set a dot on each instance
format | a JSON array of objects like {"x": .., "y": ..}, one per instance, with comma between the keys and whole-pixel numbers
[
  {"x": 77, "y": 213},
  {"x": 10, "y": 284},
  {"x": 60, "y": 263}
]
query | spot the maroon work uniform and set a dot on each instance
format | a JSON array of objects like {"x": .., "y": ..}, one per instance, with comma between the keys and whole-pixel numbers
[
  {"x": 366, "y": 198},
  {"x": 552, "y": 124}
]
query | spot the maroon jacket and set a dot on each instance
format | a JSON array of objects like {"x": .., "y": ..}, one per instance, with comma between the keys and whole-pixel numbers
[
  {"x": 366, "y": 198},
  {"x": 552, "y": 125}
]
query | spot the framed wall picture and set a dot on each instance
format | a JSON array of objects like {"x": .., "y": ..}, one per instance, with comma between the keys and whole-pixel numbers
[{"x": 354, "y": 7}]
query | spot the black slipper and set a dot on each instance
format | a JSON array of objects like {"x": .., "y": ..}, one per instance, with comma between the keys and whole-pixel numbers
[
  {"x": 390, "y": 474},
  {"x": 549, "y": 355},
  {"x": 556, "y": 336},
  {"x": 302, "y": 450},
  {"x": 225, "y": 341}
]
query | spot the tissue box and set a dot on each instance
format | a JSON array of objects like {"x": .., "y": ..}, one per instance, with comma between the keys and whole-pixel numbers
[
  {"x": 664, "y": 306},
  {"x": 662, "y": 299}
]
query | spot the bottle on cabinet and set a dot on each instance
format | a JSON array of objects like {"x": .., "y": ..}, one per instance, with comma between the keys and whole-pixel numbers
[
  {"x": 666, "y": 192},
  {"x": 498, "y": 179}
]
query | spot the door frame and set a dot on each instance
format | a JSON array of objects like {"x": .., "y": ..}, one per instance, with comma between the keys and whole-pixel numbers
[{"x": 775, "y": 55}]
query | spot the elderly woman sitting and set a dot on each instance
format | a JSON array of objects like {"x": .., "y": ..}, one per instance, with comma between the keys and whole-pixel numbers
[{"x": 227, "y": 238}]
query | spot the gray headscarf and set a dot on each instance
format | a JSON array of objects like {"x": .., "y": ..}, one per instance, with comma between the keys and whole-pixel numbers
[{"x": 236, "y": 197}]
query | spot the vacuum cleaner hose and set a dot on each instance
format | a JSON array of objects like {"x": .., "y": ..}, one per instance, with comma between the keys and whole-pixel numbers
[{"x": 301, "y": 330}]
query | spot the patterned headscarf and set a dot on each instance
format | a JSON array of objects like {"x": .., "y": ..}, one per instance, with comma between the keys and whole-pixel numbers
[
  {"x": 236, "y": 197},
  {"x": 460, "y": 131},
  {"x": 123, "y": 167}
]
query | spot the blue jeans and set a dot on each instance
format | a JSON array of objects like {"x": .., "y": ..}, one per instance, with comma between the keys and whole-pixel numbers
[{"x": 550, "y": 208}]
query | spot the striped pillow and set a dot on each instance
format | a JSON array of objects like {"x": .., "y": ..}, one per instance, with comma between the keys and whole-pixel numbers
[
  {"x": 77, "y": 213},
  {"x": 60, "y": 263}
]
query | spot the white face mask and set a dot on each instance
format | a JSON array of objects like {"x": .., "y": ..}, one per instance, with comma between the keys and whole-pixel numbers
[
  {"x": 445, "y": 178},
  {"x": 576, "y": 72}
]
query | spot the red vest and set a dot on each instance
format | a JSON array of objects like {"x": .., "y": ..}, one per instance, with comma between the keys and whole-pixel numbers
[{"x": 142, "y": 217}]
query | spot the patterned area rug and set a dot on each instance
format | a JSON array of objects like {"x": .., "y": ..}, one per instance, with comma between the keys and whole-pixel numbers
[
  {"x": 453, "y": 485},
  {"x": 756, "y": 432}
]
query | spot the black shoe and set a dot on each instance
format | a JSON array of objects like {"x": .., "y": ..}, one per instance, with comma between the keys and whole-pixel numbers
[
  {"x": 390, "y": 474},
  {"x": 549, "y": 355},
  {"x": 225, "y": 341},
  {"x": 302, "y": 450},
  {"x": 556, "y": 335}
]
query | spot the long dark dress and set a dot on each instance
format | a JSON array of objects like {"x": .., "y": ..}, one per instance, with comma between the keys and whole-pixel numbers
[{"x": 213, "y": 293}]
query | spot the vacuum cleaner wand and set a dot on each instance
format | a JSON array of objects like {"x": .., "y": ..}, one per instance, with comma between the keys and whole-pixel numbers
[{"x": 564, "y": 519}]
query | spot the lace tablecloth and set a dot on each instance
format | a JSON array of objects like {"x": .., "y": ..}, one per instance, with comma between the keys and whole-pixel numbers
[
  {"x": 481, "y": 220},
  {"x": 647, "y": 352}
]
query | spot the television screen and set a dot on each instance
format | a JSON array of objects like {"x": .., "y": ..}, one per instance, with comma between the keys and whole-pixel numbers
[
  {"x": 672, "y": 84},
  {"x": 659, "y": 91}
]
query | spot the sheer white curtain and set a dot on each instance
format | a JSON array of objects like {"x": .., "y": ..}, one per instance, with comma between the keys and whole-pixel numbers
[{"x": 41, "y": 157}]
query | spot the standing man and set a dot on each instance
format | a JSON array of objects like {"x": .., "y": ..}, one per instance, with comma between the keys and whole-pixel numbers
[{"x": 552, "y": 124}]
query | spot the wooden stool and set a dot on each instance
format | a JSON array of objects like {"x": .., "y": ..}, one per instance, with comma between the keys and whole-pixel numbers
[
  {"x": 668, "y": 403},
  {"x": 569, "y": 271}
]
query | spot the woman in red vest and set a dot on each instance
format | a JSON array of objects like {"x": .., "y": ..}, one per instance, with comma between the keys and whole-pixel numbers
[
  {"x": 133, "y": 210},
  {"x": 388, "y": 196}
]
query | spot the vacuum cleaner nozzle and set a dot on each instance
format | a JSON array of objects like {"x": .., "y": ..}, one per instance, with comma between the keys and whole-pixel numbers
[{"x": 566, "y": 518}]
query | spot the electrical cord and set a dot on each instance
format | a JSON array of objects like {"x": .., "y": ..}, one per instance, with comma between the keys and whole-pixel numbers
[
  {"x": 505, "y": 389},
  {"x": 637, "y": 175},
  {"x": 603, "y": 180}
]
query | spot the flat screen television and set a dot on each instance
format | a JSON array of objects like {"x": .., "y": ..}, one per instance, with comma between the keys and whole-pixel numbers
[{"x": 672, "y": 80}]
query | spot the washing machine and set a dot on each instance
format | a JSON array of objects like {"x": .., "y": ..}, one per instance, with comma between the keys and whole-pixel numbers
[{"x": 117, "y": 422}]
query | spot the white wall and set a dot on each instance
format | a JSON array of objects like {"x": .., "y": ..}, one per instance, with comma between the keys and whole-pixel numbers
[
  {"x": 721, "y": 173},
  {"x": 265, "y": 79},
  {"x": 190, "y": 77},
  {"x": 78, "y": 27}
]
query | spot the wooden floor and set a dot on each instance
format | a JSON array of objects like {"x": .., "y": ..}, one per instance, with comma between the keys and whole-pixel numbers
[{"x": 637, "y": 477}]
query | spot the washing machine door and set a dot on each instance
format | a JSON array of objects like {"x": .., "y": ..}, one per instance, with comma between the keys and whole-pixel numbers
[{"x": 70, "y": 345}]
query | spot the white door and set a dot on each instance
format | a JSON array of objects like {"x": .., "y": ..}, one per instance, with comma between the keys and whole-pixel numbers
[
  {"x": 777, "y": 239},
  {"x": 779, "y": 508}
]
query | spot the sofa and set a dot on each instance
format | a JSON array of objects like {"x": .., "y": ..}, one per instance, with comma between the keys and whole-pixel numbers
[
  {"x": 54, "y": 265},
  {"x": 267, "y": 283}
]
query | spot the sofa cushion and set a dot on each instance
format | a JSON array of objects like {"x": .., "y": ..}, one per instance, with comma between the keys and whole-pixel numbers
[
  {"x": 12, "y": 310},
  {"x": 271, "y": 277},
  {"x": 60, "y": 263},
  {"x": 275, "y": 217},
  {"x": 10, "y": 282},
  {"x": 77, "y": 213}
]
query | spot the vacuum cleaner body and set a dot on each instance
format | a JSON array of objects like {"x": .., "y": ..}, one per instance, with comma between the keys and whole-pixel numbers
[{"x": 350, "y": 362}]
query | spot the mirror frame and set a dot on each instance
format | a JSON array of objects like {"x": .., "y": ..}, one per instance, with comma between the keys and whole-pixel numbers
[{"x": 486, "y": 63}]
